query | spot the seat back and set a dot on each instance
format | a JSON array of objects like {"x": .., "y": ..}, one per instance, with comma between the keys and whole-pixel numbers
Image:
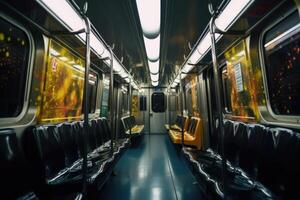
[
  {"x": 13, "y": 169},
  {"x": 268, "y": 154},
  {"x": 69, "y": 143},
  {"x": 196, "y": 130},
  {"x": 50, "y": 150},
  {"x": 106, "y": 129},
  {"x": 99, "y": 132}
]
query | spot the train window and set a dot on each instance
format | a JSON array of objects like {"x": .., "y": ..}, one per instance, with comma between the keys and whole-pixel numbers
[
  {"x": 158, "y": 102},
  {"x": 135, "y": 105},
  {"x": 14, "y": 57},
  {"x": 227, "y": 87},
  {"x": 93, "y": 83},
  {"x": 237, "y": 78},
  {"x": 124, "y": 96},
  {"x": 62, "y": 96},
  {"x": 143, "y": 103},
  {"x": 282, "y": 61},
  {"x": 105, "y": 98},
  {"x": 191, "y": 96}
]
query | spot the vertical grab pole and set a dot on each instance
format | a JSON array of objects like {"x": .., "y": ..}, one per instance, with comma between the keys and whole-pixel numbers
[
  {"x": 169, "y": 112},
  {"x": 111, "y": 100},
  {"x": 218, "y": 94},
  {"x": 182, "y": 122},
  {"x": 86, "y": 104},
  {"x": 130, "y": 106}
]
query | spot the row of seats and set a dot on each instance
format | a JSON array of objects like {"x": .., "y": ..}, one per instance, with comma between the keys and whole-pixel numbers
[
  {"x": 261, "y": 163},
  {"x": 129, "y": 124},
  {"x": 181, "y": 121},
  {"x": 53, "y": 157},
  {"x": 193, "y": 133}
]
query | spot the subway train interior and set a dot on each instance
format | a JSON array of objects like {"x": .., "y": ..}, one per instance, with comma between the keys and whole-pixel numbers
[{"x": 149, "y": 99}]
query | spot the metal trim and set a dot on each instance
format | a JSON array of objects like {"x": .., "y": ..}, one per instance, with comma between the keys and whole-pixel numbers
[
  {"x": 26, "y": 97},
  {"x": 288, "y": 120}
]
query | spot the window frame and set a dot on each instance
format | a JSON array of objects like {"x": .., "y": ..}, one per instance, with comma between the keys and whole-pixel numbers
[
  {"x": 95, "y": 98},
  {"x": 29, "y": 71},
  {"x": 225, "y": 101},
  {"x": 292, "y": 119}
]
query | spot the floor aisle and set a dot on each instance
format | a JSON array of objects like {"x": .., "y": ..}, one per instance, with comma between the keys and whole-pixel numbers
[{"x": 151, "y": 171}]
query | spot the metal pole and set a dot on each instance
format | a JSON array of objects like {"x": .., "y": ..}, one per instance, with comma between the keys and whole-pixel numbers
[
  {"x": 150, "y": 102},
  {"x": 86, "y": 104},
  {"x": 130, "y": 106},
  {"x": 218, "y": 93},
  {"x": 182, "y": 122},
  {"x": 169, "y": 122},
  {"x": 111, "y": 100}
]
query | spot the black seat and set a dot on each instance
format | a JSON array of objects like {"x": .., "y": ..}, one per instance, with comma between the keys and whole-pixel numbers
[
  {"x": 15, "y": 180},
  {"x": 69, "y": 143},
  {"x": 50, "y": 150}
]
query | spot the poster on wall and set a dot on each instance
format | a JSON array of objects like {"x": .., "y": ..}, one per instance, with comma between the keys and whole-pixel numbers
[
  {"x": 62, "y": 89},
  {"x": 238, "y": 77}
]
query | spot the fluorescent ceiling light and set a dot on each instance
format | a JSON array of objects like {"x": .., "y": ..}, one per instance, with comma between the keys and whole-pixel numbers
[
  {"x": 174, "y": 85},
  {"x": 187, "y": 68},
  {"x": 153, "y": 67},
  {"x": 149, "y": 13},
  {"x": 54, "y": 52},
  {"x": 64, "y": 12},
  {"x": 154, "y": 83},
  {"x": 154, "y": 77},
  {"x": 231, "y": 12},
  {"x": 63, "y": 58},
  {"x": 152, "y": 48},
  {"x": 223, "y": 22},
  {"x": 195, "y": 57},
  {"x": 92, "y": 76},
  {"x": 183, "y": 76},
  {"x": 106, "y": 81},
  {"x": 92, "y": 82},
  {"x": 127, "y": 80},
  {"x": 202, "y": 48},
  {"x": 116, "y": 65},
  {"x": 79, "y": 67},
  {"x": 67, "y": 15},
  {"x": 123, "y": 74},
  {"x": 96, "y": 44}
]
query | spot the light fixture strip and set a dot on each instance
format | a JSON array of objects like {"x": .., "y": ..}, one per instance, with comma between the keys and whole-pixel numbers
[
  {"x": 224, "y": 21},
  {"x": 64, "y": 12}
]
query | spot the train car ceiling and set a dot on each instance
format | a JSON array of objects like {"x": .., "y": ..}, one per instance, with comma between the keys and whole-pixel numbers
[{"x": 177, "y": 33}]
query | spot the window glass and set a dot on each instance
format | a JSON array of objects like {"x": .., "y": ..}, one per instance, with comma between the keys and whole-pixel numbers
[
  {"x": 62, "y": 95},
  {"x": 135, "y": 104},
  {"x": 105, "y": 98},
  {"x": 158, "y": 102},
  {"x": 143, "y": 103},
  {"x": 124, "y": 96},
  {"x": 93, "y": 83},
  {"x": 238, "y": 79},
  {"x": 191, "y": 96},
  {"x": 282, "y": 61},
  {"x": 227, "y": 87},
  {"x": 14, "y": 52}
]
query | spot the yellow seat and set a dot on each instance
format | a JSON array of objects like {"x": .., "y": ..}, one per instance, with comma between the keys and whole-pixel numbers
[
  {"x": 175, "y": 131},
  {"x": 193, "y": 136}
]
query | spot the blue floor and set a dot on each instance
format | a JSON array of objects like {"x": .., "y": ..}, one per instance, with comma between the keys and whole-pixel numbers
[{"x": 151, "y": 171}]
